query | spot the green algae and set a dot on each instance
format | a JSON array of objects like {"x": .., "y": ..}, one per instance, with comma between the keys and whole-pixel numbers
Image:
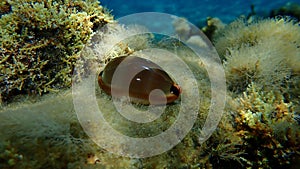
[
  {"x": 258, "y": 129},
  {"x": 34, "y": 136},
  {"x": 40, "y": 42},
  {"x": 260, "y": 59}
]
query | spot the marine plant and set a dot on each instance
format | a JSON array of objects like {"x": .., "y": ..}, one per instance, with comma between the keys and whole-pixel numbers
[
  {"x": 291, "y": 9},
  {"x": 54, "y": 134},
  {"x": 41, "y": 40},
  {"x": 264, "y": 51},
  {"x": 241, "y": 32},
  {"x": 260, "y": 59},
  {"x": 259, "y": 128},
  {"x": 36, "y": 136},
  {"x": 261, "y": 63},
  {"x": 266, "y": 123},
  {"x": 213, "y": 25}
]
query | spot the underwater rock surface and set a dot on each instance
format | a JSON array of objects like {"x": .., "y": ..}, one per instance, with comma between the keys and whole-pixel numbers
[{"x": 259, "y": 128}]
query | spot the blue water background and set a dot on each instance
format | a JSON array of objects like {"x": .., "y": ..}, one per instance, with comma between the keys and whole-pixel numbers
[{"x": 195, "y": 11}]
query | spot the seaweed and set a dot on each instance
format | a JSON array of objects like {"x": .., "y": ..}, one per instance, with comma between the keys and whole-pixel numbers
[
  {"x": 259, "y": 129},
  {"x": 265, "y": 52},
  {"x": 267, "y": 126},
  {"x": 291, "y": 9},
  {"x": 40, "y": 42}
]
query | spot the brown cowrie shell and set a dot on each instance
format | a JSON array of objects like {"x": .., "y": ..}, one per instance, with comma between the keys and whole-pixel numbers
[{"x": 150, "y": 77}]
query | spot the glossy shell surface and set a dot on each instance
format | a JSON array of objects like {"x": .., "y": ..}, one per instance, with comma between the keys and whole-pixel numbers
[{"x": 149, "y": 77}]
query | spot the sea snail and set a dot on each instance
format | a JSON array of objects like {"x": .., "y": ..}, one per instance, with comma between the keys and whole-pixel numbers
[{"x": 149, "y": 77}]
